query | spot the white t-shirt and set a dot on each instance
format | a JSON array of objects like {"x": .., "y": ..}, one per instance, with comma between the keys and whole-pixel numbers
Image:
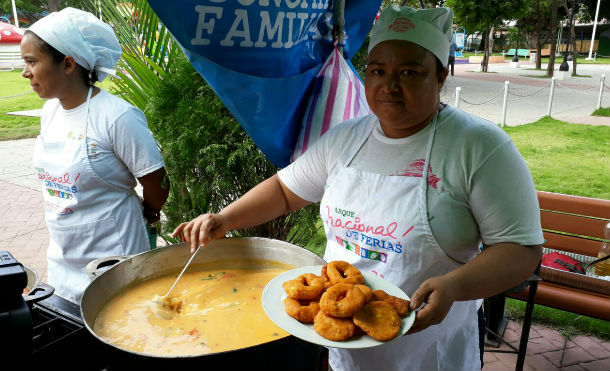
[
  {"x": 479, "y": 187},
  {"x": 121, "y": 147}
]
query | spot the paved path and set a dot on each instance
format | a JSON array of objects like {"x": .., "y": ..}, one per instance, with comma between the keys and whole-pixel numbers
[
  {"x": 528, "y": 97},
  {"x": 548, "y": 350}
]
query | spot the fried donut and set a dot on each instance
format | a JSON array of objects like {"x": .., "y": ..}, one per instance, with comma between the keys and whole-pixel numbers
[
  {"x": 301, "y": 310},
  {"x": 367, "y": 291},
  {"x": 379, "y": 320},
  {"x": 327, "y": 282},
  {"x": 401, "y": 306},
  {"x": 342, "y": 300},
  {"x": 331, "y": 328},
  {"x": 343, "y": 272},
  {"x": 307, "y": 286}
]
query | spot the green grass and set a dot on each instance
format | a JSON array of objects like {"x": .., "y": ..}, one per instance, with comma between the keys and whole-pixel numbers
[
  {"x": 536, "y": 76},
  {"x": 566, "y": 158},
  {"x": 602, "y": 112},
  {"x": 545, "y": 77},
  {"x": 18, "y": 127}
]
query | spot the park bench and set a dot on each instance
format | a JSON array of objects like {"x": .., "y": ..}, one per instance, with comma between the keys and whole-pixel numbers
[
  {"x": 492, "y": 59},
  {"x": 521, "y": 52},
  {"x": 9, "y": 60},
  {"x": 574, "y": 226},
  {"x": 543, "y": 52}
]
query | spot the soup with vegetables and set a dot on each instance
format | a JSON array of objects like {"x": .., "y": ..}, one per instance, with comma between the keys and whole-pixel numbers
[{"x": 209, "y": 311}]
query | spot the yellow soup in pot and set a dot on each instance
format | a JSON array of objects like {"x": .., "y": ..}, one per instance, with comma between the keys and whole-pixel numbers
[{"x": 212, "y": 310}]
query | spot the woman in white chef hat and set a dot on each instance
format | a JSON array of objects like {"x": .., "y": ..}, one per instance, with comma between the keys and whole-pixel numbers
[
  {"x": 409, "y": 193},
  {"x": 91, "y": 149}
]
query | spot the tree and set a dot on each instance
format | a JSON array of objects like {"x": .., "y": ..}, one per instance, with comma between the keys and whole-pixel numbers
[
  {"x": 588, "y": 10},
  {"x": 536, "y": 25},
  {"x": 571, "y": 9},
  {"x": 485, "y": 16},
  {"x": 33, "y": 9}
]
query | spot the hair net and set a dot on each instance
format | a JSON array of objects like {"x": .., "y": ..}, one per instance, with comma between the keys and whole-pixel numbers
[
  {"x": 82, "y": 36},
  {"x": 428, "y": 28}
]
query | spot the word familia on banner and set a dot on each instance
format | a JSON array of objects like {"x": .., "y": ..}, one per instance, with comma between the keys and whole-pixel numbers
[{"x": 253, "y": 26}]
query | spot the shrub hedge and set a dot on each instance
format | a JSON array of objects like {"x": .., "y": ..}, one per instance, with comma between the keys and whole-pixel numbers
[{"x": 210, "y": 160}]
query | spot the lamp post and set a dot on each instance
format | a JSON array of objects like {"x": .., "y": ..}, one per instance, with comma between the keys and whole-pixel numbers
[
  {"x": 15, "y": 18},
  {"x": 515, "y": 62},
  {"x": 516, "y": 58},
  {"x": 564, "y": 66},
  {"x": 593, "y": 34}
]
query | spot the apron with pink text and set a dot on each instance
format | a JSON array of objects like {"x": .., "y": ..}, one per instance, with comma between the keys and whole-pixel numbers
[
  {"x": 379, "y": 224},
  {"x": 82, "y": 212}
]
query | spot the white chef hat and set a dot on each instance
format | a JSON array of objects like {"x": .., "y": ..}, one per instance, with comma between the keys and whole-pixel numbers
[
  {"x": 82, "y": 36},
  {"x": 428, "y": 28}
]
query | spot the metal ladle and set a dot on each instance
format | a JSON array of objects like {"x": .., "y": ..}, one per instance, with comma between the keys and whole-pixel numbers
[
  {"x": 160, "y": 299},
  {"x": 187, "y": 264}
]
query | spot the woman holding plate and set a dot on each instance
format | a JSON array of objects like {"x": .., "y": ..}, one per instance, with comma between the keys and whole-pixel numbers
[{"x": 410, "y": 193}]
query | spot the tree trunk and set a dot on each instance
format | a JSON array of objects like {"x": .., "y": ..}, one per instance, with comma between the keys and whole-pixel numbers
[
  {"x": 551, "y": 66},
  {"x": 537, "y": 38},
  {"x": 573, "y": 37},
  {"x": 488, "y": 47},
  {"x": 53, "y": 5}
]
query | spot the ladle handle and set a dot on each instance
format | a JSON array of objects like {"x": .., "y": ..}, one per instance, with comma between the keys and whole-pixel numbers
[{"x": 183, "y": 269}]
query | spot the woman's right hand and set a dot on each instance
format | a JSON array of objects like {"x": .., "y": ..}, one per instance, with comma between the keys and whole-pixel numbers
[{"x": 202, "y": 230}]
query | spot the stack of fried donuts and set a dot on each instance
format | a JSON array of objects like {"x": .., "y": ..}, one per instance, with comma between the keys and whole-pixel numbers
[{"x": 340, "y": 305}]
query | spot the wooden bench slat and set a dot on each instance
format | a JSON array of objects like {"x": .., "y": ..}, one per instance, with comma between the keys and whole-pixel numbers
[
  {"x": 574, "y": 204},
  {"x": 571, "y": 244},
  {"x": 570, "y": 299},
  {"x": 573, "y": 224}
]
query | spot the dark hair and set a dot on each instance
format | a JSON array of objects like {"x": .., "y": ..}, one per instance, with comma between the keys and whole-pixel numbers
[
  {"x": 440, "y": 67},
  {"x": 89, "y": 78}
]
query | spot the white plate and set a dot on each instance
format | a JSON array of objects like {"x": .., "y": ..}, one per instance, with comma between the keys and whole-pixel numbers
[{"x": 273, "y": 304}]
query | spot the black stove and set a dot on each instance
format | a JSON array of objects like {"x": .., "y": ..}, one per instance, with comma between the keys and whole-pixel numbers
[
  {"x": 39, "y": 329},
  {"x": 61, "y": 338}
]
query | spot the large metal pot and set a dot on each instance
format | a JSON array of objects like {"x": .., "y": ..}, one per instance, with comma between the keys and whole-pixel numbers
[{"x": 287, "y": 353}]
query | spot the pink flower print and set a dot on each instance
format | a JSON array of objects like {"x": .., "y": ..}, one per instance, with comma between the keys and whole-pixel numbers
[
  {"x": 401, "y": 24},
  {"x": 416, "y": 169}
]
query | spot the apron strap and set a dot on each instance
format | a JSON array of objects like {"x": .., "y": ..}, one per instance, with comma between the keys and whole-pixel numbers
[
  {"x": 367, "y": 132},
  {"x": 87, "y": 116},
  {"x": 429, "y": 149}
]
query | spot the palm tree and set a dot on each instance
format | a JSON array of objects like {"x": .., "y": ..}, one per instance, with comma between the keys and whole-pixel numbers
[{"x": 148, "y": 47}]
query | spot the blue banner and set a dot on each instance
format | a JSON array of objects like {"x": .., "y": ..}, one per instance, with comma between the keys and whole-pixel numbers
[{"x": 260, "y": 56}]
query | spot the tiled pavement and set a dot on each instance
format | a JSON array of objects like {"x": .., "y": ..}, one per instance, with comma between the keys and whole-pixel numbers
[
  {"x": 23, "y": 231},
  {"x": 548, "y": 350}
]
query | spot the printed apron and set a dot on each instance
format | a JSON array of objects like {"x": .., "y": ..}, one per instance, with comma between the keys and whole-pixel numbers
[
  {"x": 380, "y": 225},
  {"x": 82, "y": 212}
]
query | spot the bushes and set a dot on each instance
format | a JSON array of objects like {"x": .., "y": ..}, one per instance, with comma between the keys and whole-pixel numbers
[{"x": 210, "y": 160}]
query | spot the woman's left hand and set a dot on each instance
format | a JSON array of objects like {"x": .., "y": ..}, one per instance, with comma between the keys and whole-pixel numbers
[{"x": 437, "y": 294}]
